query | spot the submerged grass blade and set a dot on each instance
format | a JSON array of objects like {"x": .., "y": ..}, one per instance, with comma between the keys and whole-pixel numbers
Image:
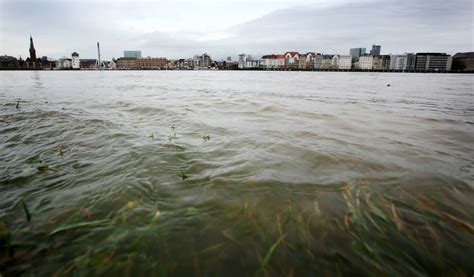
[
  {"x": 25, "y": 208},
  {"x": 79, "y": 225},
  {"x": 269, "y": 254},
  {"x": 212, "y": 248}
]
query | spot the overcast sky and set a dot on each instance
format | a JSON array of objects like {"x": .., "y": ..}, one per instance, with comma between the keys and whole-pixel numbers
[{"x": 183, "y": 28}]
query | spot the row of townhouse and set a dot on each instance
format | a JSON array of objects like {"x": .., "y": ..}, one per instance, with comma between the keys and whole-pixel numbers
[
  {"x": 289, "y": 60},
  {"x": 297, "y": 61},
  {"x": 316, "y": 61}
]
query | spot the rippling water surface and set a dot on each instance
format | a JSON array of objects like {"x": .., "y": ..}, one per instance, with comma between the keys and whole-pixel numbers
[{"x": 236, "y": 173}]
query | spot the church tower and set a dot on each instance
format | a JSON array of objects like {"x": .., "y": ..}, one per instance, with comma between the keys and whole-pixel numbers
[{"x": 32, "y": 50}]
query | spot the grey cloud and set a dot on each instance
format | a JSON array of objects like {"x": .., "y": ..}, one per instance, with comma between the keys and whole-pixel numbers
[{"x": 399, "y": 25}]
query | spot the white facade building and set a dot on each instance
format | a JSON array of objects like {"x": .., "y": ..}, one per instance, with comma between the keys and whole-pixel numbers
[
  {"x": 75, "y": 61},
  {"x": 318, "y": 60},
  {"x": 327, "y": 62},
  {"x": 292, "y": 57},
  {"x": 272, "y": 61},
  {"x": 344, "y": 62},
  {"x": 64, "y": 63},
  {"x": 366, "y": 62},
  {"x": 250, "y": 63},
  {"x": 242, "y": 60},
  {"x": 398, "y": 62}
]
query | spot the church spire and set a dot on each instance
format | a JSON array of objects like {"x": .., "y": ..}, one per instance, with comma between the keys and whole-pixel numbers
[{"x": 32, "y": 50}]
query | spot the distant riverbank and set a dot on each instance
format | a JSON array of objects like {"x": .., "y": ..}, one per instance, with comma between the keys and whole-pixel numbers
[{"x": 252, "y": 69}]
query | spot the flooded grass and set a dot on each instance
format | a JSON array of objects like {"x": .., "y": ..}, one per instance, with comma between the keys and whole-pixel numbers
[{"x": 374, "y": 234}]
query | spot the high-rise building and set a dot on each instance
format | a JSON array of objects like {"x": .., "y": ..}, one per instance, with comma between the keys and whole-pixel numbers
[
  {"x": 375, "y": 50},
  {"x": 32, "y": 50},
  {"x": 205, "y": 61},
  {"x": 356, "y": 53},
  {"x": 137, "y": 54}
]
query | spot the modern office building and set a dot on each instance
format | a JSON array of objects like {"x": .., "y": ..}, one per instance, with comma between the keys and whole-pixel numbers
[
  {"x": 375, "y": 50},
  {"x": 433, "y": 61},
  {"x": 137, "y": 54},
  {"x": 356, "y": 53}
]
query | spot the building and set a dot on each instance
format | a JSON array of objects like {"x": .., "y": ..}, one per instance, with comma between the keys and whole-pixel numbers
[
  {"x": 9, "y": 62},
  {"x": 327, "y": 62},
  {"x": 398, "y": 62},
  {"x": 205, "y": 61},
  {"x": 292, "y": 60},
  {"x": 318, "y": 60},
  {"x": 76, "y": 62},
  {"x": 151, "y": 63},
  {"x": 463, "y": 61},
  {"x": 411, "y": 61},
  {"x": 365, "y": 62},
  {"x": 32, "y": 50},
  {"x": 64, "y": 63},
  {"x": 32, "y": 62},
  {"x": 335, "y": 61},
  {"x": 433, "y": 61},
  {"x": 385, "y": 62},
  {"x": 306, "y": 61},
  {"x": 137, "y": 54},
  {"x": 248, "y": 62},
  {"x": 227, "y": 65},
  {"x": 273, "y": 61},
  {"x": 242, "y": 60},
  {"x": 185, "y": 64},
  {"x": 344, "y": 62},
  {"x": 252, "y": 63},
  {"x": 375, "y": 50},
  {"x": 377, "y": 63},
  {"x": 310, "y": 60},
  {"x": 356, "y": 53},
  {"x": 87, "y": 63},
  {"x": 126, "y": 63}
]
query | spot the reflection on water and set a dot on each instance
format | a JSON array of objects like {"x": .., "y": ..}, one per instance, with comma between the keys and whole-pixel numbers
[{"x": 236, "y": 173}]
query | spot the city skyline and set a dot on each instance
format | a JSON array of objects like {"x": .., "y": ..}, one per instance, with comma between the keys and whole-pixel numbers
[{"x": 408, "y": 27}]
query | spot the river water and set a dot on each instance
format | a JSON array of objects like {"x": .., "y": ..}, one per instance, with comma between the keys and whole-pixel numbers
[{"x": 236, "y": 173}]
